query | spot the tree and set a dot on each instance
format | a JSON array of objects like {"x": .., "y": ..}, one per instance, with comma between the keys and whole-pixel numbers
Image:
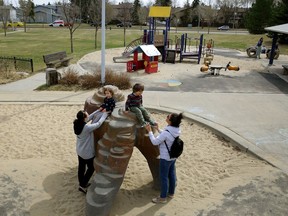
[
  {"x": 27, "y": 9},
  {"x": 186, "y": 18},
  {"x": 279, "y": 13},
  {"x": 71, "y": 14},
  {"x": 95, "y": 16},
  {"x": 258, "y": 16},
  {"x": 124, "y": 16},
  {"x": 4, "y": 15},
  {"x": 135, "y": 12},
  {"x": 163, "y": 2}
]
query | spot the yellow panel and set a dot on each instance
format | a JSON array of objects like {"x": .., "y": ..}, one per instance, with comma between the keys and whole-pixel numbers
[{"x": 158, "y": 11}]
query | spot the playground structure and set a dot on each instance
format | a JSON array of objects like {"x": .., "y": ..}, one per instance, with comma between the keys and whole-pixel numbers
[
  {"x": 149, "y": 60},
  {"x": 251, "y": 52},
  {"x": 114, "y": 143},
  {"x": 160, "y": 41},
  {"x": 188, "y": 54},
  {"x": 215, "y": 69},
  {"x": 208, "y": 51}
]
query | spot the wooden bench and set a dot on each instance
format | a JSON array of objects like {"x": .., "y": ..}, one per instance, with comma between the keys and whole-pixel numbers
[
  {"x": 53, "y": 59},
  {"x": 285, "y": 67}
]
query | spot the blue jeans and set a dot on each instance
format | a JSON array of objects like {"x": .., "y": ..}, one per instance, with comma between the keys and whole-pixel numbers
[{"x": 167, "y": 177}]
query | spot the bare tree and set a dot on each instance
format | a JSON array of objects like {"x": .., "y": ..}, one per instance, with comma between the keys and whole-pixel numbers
[
  {"x": 27, "y": 9},
  {"x": 125, "y": 16},
  {"x": 95, "y": 15},
  {"x": 71, "y": 14},
  {"x": 4, "y": 15}
]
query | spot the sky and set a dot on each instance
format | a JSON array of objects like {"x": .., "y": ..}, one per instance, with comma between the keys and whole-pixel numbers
[{"x": 179, "y": 2}]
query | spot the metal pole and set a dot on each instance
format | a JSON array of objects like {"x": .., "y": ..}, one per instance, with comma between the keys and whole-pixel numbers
[{"x": 103, "y": 44}]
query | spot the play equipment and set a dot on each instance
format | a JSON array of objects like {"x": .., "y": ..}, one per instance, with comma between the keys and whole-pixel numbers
[
  {"x": 127, "y": 52},
  {"x": 215, "y": 69},
  {"x": 251, "y": 52},
  {"x": 149, "y": 60},
  {"x": 114, "y": 143},
  {"x": 194, "y": 54},
  {"x": 160, "y": 41},
  {"x": 208, "y": 51}
]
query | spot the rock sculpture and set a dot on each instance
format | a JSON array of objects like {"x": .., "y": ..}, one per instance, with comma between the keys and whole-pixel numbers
[{"x": 114, "y": 143}]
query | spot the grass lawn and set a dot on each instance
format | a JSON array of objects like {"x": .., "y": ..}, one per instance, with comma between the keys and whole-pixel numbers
[{"x": 37, "y": 42}]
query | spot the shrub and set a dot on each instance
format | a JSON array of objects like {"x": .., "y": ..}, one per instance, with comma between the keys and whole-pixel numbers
[
  {"x": 89, "y": 81},
  {"x": 69, "y": 78}
]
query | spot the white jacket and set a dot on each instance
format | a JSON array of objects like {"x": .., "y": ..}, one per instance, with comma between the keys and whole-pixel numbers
[
  {"x": 165, "y": 136},
  {"x": 85, "y": 140}
]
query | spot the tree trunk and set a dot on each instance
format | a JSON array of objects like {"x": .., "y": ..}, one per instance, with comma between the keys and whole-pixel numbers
[{"x": 71, "y": 41}]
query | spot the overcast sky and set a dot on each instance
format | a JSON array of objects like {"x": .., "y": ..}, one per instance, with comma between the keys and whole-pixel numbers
[{"x": 179, "y": 2}]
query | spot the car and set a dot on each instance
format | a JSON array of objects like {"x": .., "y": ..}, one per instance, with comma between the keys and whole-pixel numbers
[
  {"x": 127, "y": 24},
  {"x": 57, "y": 23},
  {"x": 15, "y": 24},
  {"x": 224, "y": 28}
]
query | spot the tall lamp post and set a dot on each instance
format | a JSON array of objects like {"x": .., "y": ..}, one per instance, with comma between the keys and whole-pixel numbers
[{"x": 103, "y": 44}]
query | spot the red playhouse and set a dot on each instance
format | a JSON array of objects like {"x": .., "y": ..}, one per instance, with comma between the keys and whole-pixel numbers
[{"x": 149, "y": 60}]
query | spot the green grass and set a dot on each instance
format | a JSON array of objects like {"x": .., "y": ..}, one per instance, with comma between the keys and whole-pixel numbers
[{"x": 37, "y": 42}]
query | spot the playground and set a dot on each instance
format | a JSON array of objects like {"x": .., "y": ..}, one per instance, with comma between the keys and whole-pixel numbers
[{"x": 209, "y": 167}]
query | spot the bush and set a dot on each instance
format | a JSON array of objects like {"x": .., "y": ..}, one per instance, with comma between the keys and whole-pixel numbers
[
  {"x": 90, "y": 81},
  {"x": 69, "y": 78}
]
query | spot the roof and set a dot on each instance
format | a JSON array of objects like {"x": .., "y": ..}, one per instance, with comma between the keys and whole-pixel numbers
[
  {"x": 149, "y": 50},
  {"x": 159, "y": 11},
  {"x": 279, "y": 28}
]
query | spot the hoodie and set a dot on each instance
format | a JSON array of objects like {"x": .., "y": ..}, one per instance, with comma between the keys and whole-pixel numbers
[{"x": 165, "y": 136}]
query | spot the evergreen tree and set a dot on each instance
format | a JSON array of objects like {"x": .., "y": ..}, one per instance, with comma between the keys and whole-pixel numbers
[
  {"x": 279, "y": 13},
  {"x": 163, "y": 2},
  {"x": 186, "y": 18},
  {"x": 195, "y": 3},
  {"x": 258, "y": 16},
  {"x": 135, "y": 12}
]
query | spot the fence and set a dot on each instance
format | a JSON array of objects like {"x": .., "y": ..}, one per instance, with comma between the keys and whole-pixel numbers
[{"x": 19, "y": 64}]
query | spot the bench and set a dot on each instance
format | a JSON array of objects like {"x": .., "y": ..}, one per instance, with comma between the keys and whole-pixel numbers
[
  {"x": 53, "y": 59},
  {"x": 285, "y": 67}
]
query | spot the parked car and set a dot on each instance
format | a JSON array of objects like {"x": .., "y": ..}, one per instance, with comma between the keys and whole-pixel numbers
[
  {"x": 57, "y": 23},
  {"x": 127, "y": 24},
  {"x": 96, "y": 24},
  {"x": 15, "y": 24},
  {"x": 224, "y": 28}
]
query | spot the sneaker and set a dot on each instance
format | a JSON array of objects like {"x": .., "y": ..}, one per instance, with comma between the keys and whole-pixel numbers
[
  {"x": 82, "y": 189},
  {"x": 171, "y": 196},
  {"x": 87, "y": 185},
  {"x": 159, "y": 200}
]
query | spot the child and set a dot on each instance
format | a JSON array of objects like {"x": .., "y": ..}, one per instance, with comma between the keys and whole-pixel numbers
[
  {"x": 134, "y": 104},
  {"x": 108, "y": 105}
]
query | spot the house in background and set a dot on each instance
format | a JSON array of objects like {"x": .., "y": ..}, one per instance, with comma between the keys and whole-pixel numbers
[{"x": 46, "y": 13}]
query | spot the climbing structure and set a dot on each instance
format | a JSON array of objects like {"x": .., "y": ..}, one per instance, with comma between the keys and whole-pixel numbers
[{"x": 114, "y": 143}]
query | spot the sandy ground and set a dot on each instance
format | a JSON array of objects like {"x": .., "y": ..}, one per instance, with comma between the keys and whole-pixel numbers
[{"x": 39, "y": 164}]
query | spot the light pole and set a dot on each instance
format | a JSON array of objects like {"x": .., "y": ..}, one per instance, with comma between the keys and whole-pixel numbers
[{"x": 103, "y": 43}]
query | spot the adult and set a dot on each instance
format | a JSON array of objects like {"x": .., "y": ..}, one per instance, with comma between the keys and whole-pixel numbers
[
  {"x": 167, "y": 164},
  {"x": 259, "y": 47},
  {"x": 85, "y": 146}
]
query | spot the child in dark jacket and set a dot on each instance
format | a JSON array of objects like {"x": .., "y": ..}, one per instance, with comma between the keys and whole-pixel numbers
[
  {"x": 108, "y": 104},
  {"x": 134, "y": 103}
]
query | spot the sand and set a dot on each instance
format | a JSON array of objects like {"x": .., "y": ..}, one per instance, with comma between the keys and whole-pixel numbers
[{"x": 39, "y": 164}]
